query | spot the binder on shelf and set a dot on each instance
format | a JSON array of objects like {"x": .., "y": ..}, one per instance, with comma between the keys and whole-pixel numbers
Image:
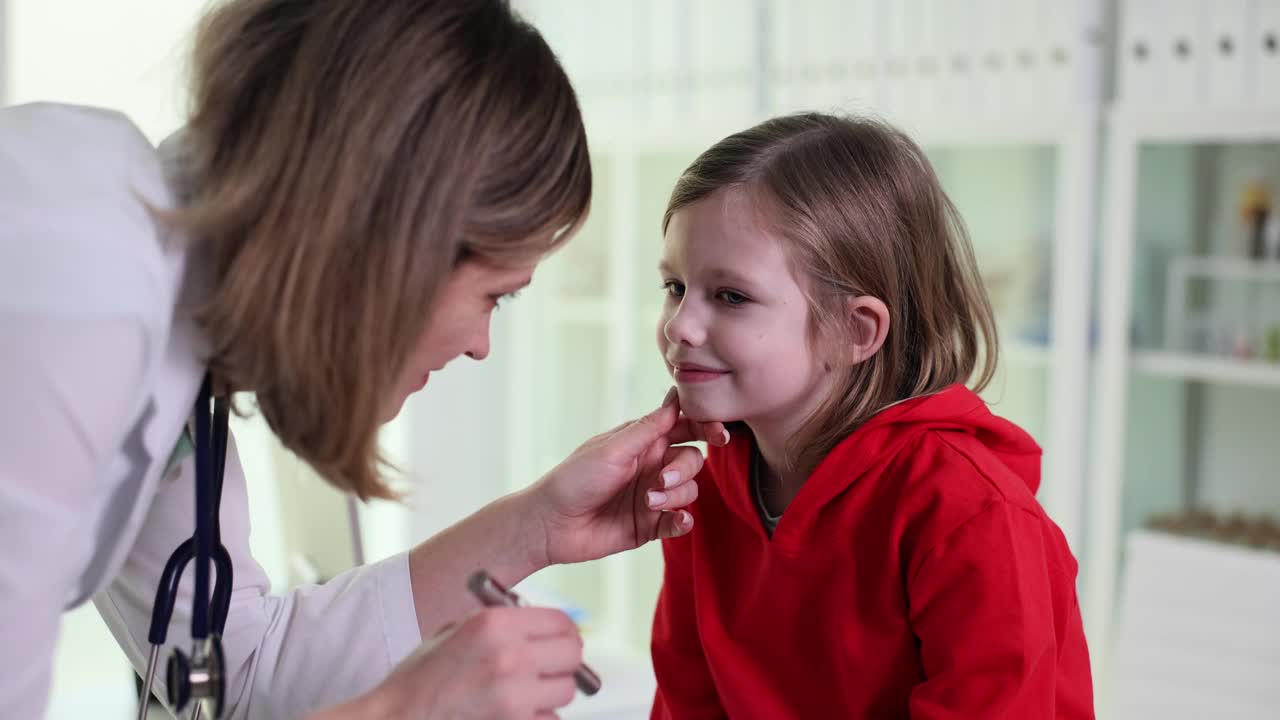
[
  {"x": 1263, "y": 53},
  {"x": 1023, "y": 71},
  {"x": 894, "y": 58},
  {"x": 610, "y": 58},
  {"x": 723, "y": 49},
  {"x": 1089, "y": 66},
  {"x": 663, "y": 82},
  {"x": 832, "y": 41},
  {"x": 784, "y": 44},
  {"x": 924, "y": 54},
  {"x": 822, "y": 39},
  {"x": 1140, "y": 37},
  {"x": 1181, "y": 54},
  {"x": 991, "y": 54},
  {"x": 1227, "y": 65},
  {"x": 958, "y": 79},
  {"x": 1061, "y": 52},
  {"x": 856, "y": 48}
]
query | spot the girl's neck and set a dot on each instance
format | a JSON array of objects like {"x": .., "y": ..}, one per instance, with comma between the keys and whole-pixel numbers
[
  {"x": 781, "y": 474},
  {"x": 775, "y": 439},
  {"x": 776, "y": 434}
]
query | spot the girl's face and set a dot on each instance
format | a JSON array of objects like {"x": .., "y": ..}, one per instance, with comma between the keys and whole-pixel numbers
[
  {"x": 459, "y": 324},
  {"x": 734, "y": 330}
]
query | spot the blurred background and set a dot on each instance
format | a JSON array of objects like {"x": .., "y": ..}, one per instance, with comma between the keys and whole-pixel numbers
[{"x": 1117, "y": 164}]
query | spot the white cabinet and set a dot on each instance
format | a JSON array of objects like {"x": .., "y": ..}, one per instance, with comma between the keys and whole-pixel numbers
[
  {"x": 1197, "y": 637},
  {"x": 1222, "y": 55},
  {"x": 1186, "y": 384}
]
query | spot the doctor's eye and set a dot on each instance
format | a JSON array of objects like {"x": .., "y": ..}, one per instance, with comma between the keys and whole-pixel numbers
[
  {"x": 503, "y": 299},
  {"x": 674, "y": 288}
]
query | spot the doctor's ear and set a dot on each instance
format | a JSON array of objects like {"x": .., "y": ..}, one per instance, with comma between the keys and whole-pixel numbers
[{"x": 866, "y": 325}]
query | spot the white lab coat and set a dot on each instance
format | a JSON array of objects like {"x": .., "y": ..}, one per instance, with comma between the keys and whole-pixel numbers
[{"x": 99, "y": 369}]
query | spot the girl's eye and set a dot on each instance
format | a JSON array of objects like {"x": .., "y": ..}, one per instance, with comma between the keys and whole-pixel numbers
[
  {"x": 732, "y": 298},
  {"x": 673, "y": 288}
]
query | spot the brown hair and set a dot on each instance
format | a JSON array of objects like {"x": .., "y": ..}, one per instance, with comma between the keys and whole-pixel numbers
[
  {"x": 344, "y": 156},
  {"x": 862, "y": 213}
]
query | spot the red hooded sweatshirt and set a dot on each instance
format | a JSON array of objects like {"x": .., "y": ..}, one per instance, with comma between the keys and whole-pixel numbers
[{"x": 913, "y": 576}]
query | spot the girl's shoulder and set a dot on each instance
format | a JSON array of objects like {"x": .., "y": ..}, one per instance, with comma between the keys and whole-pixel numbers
[{"x": 948, "y": 479}]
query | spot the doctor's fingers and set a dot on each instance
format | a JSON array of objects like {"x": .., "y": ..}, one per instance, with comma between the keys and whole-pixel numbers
[
  {"x": 504, "y": 624},
  {"x": 559, "y": 655},
  {"x": 674, "y": 523},
  {"x": 687, "y": 430},
  {"x": 551, "y": 692},
  {"x": 536, "y": 694},
  {"x": 679, "y": 466},
  {"x": 529, "y": 698}
]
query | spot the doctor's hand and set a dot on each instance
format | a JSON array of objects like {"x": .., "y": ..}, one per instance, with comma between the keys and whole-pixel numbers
[
  {"x": 623, "y": 488},
  {"x": 499, "y": 664}
]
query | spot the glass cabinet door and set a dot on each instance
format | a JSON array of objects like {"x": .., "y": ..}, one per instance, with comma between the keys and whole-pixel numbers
[
  {"x": 1183, "y": 493},
  {"x": 1203, "y": 335}
]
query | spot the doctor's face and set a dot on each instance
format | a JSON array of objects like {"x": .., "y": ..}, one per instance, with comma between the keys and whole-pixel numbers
[{"x": 459, "y": 322}]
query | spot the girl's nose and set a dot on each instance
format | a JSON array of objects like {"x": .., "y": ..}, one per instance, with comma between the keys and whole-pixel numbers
[{"x": 684, "y": 327}]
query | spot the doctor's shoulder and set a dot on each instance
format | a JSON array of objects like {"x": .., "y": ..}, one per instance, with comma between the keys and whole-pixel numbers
[
  {"x": 80, "y": 147},
  {"x": 80, "y": 188}
]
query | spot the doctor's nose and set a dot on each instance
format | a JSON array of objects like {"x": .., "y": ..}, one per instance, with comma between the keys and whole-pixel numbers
[{"x": 478, "y": 348}]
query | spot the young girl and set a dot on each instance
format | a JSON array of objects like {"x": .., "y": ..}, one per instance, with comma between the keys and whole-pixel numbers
[{"x": 869, "y": 544}]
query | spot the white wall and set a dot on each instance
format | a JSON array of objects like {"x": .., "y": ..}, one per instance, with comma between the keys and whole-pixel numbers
[
  {"x": 125, "y": 54},
  {"x": 4, "y": 51}
]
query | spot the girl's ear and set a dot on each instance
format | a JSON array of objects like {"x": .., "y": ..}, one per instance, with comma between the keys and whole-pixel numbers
[{"x": 867, "y": 322}]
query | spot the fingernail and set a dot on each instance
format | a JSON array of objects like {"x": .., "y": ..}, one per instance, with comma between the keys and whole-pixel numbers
[
  {"x": 724, "y": 436},
  {"x": 685, "y": 520},
  {"x": 670, "y": 477},
  {"x": 671, "y": 398},
  {"x": 656, "y": 498}
]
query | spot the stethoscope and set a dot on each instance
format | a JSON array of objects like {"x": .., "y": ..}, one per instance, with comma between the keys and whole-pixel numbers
[{"x": 200, "y": 677}]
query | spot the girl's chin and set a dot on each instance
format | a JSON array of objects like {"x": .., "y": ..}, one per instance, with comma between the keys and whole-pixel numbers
[{"x": 703, "y": 414}]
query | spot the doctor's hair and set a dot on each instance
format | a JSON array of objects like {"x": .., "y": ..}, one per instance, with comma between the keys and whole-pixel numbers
[
  {"x": 860, "y": 211},
  {"x": 343, "y": 157}
]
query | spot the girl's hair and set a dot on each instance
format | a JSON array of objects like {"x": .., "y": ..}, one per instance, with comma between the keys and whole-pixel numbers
[
  {"x": 862, "y": 213},
  {"x": 344, "y": 156}
]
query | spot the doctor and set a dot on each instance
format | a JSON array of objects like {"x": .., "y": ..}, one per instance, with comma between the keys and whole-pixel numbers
[{"x": 359, "y": 185}]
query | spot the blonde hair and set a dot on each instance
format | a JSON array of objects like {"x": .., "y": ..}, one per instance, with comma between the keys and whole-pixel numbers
[
  {"x": 344, "y": 157},
  {"x": 862, "y": 213}
]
